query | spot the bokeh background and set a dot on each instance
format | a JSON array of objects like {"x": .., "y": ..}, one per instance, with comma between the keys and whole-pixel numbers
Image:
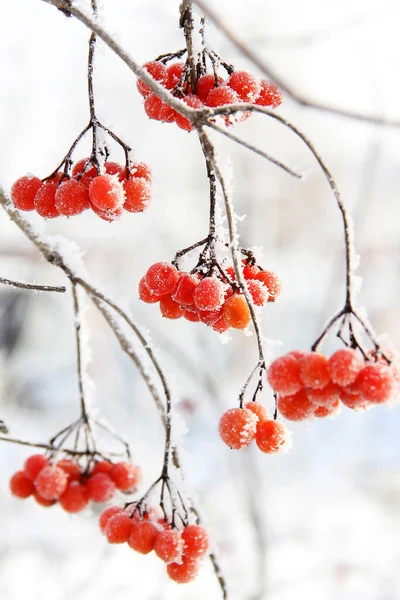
[{"x": 322, "y": 521}]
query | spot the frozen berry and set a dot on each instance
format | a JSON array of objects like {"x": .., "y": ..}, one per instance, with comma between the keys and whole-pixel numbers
[
  {"x": 271, "y": 282},
  {"x": 71, "y": 198},
  {"x": 284, "y": 375},
  {"x": 71, "y": 468},
  {"x": 344, "y": 365},
  {"x": 143, "y": 537},
  {"x": 314, "y": 370},
  {"x": 23, "y": 192},
  {"x": 258, "y": 292},
  {"x": 157, "y": 110},
  {"x": 118, "y": 528},
  {"x": 209, "y": 294},
  {"x": 183, "y": 294},
  {"x": 295, "y": 407},
  {"x": 168, "y": 545},
  {"x": 75, "y": 498},
  {"x": 45, "y": 199},
  {"x": 325, "y": 396},
  {"x": 193, "y": 102},
  {"x": 145, "y": 294},
  {"x": 247, "y": 86},
  {"x": 196, "y": 541},
  {"x": 43, "y": 501},
  {"x": 34, "y": 464},
  {"x": 162, "y": 278},
  {"x": 137, "y": 194},
  {"x": 183, "y": 572},
  {"x": 158, "y": 71},
  {"x": 100, "y": 487},
  {"x": 221, "y": 325},
  {"x": 376, "y": 382},
  {"x": 236, "y": 312},
  {"x": 237, "y": 427},
  {"x": 125, "y": 476},
  {"x": 205, "y": 84},
  {"x": 271, "y": 436},
  {"x": 141, "y": 170},
  {"x": 330, "y": 410},
  {"x": 174, "y": 74},
  {"x": 269, "y": 95},
  {"x": 51, "y": 483},
  {"x": 106, "y": 192},
  {"x": 170, "y": 309},
  {"x": 21, "y": 486},
  {"x": 102, "y": 466},
  {"x": 106, "y": 515},
  {"x": 258, "y": 409},
  {"x": 222, "y": 95}
]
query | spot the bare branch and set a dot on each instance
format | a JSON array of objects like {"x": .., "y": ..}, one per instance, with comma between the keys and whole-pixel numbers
[{"x": 33, "y": 286}]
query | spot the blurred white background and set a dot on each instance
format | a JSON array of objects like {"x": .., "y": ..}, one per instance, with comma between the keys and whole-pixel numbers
[{"x": 320, "y": 522}]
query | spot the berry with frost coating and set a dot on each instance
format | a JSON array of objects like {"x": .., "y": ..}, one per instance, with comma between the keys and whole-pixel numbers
[
  {"x": 158, "y": 71},
  {"x": 118, "y": 528},
  {"x": 106, "y": 515},
  {"x": 344, "y": 365},
  {"x": 51, "y": 482},
  {"x": 183, "y": 572},
  {"x": 23, "y": 192},
  {"x": 284, "y": 375},
  {"x": 161, "y": 278},
  {"x": 70, "y": 467},
  {"x": 183, "y": 294},
  {"x": 196, "y": 541},
  {"x": 168, "y": 545},
  {"x": 100, "y": 487},
  {"x": 376, "y": 382},
  {"x": 295, "y": 407},
  {"x": 170, "y": 309},
  {"x": 269, "y": 95},
  {"x": 125, "y": 476},
  {"x": 237, "y": 427},
  {"x": 272, "y": 282},
  {"x": 258, "y": 409},
  {"x": 314, "y": 370},
  {"x": 34, "y": 464},
  {"x": 75, "y": 498},
  {"x": 236, "y": 312},
  {"x": 247, "y": 86},
  {"x": 143, "y": 537},
  {"x": 271, "y": 436},
  {"x": 137, "y": 194},
  {"x": 21, "y": 486},
  {"x": 106, "y": 192},
  {"x": 209, "y": 294},
  {"x": 71, "y": 198},
  {"x": 327, "y": 396}
]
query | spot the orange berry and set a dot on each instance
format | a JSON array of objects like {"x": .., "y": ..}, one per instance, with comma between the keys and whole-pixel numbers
[
  {"x": 326, "y": 396},
  {"x": 272, "y": 282},
  {"x": 330, "y": 410},
  {"x": 344, "y": 365},
  {"x": 284, "y": 375},
  {"x": 258, "y": 409},
  {"x": 236, "y": 312},
  {"x": 271, "y": 436},
  {"x": 314, "y": 370},
  {"x": 237, "y": 427},
  {"x": 295, "y": 407}
]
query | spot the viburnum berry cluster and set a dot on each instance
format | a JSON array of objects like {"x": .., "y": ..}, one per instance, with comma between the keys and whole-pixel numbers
[
  {"x": 308, "y": 384},
  {"x": 204, "y": 90},
  {"x": 210, "y": 296},
  {"x": 71, "y": 486},
  {"x": 238, "y": 427},
  {"x": 108, "y": 191},
  {"x": 181, "y": 549}
]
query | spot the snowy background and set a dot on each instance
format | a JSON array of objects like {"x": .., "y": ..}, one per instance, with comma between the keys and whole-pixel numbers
[{"x": 320, "y": 522}]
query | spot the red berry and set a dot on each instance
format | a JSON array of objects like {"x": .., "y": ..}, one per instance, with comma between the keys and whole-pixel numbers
[
  {"x": 191, "y": 316},
  {"x": 184, "y": 291},
  {"x": 75, "y": 498},
  {"x": 143, "y": 537},
  {"x": 209, "y": 294},
  {"x": 34, "y": 464},
  {"x": 70, "y": 467},
  {"x": 162, "y": 278},
  {"x": 295, "y": 407},
  {"x": 45, "y": 200},
  {"x": 221, "y": 325},
  {"x": 194, "y": 102},
  {"x": 141, "y": 170},
  {"x": 106, "y": 192},
  {"x": 344, "y": 365},
  {"x": 326, "y": 396},
  {"x": 71, "y": 198},
  {"x": 100, "y": 487},
  {"x": 106, "y": 515},
  {"x": 145, "y": 294},
  {"x": 84, "y": 171},
  {"x": 249, "y": 270},
  {"x": 43, "y": 501},
  {"x": 269, "y": 95},
  {"x": 168, "y": 545},
  {"x": 314, "y": 370},
  {"x": 118, "y": 528},
  {"x": 21, "y": 486},
  {"x": 23, "y": 192},
  {"x": 258, "y": 409},
  {"x": 271, "y": 282},
  {"x": 183, "y": 572},
  {"x": 247, "y": 86},
  {"x": 204, "y": 86},
  {"x": 284, "y": 375},
  {"x": 221, "y": 96},
  {"x": 174, "y": 74},
  {"x": 376, "y": 382},
  {"x": 236, "y": 312},
  {"x": 51, "y": 483},
  {"x": 106, "y": 214},
  {"x": 156, "y": 109},
  {"x": 196, "y": 541},
  {"x": 237, "y": 427},
  {"x": 355, "y": 401},
  {"x": 137, "y": 194},
  {"x": 125, "y": 476},
  {"x": 170, "y": 309},
  {"x": 158, "y": 71},
  {"x": 102, "y": 466},
  {"x": 271, "y": 436},
  {"x": 331, "y": 410},
  {"x": 258, "y": 292},
  {"x": 113, "y": 168}
]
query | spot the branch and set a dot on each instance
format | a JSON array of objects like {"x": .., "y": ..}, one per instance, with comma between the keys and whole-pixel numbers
[{"x": 33, "y": 286}]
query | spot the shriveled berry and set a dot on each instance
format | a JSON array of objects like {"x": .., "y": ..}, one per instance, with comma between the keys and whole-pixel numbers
[
  {"x": 271, "y": 436},
  {"x": 183, "y": 572},
  {"x": 314, "y": 370},
  {"x": 143, "y": 537},
  {"x": 34, "y": 464},
  {"x": 137, "y": 194},
  {"x": 51, "y": 482},
  {"x": 236, "y": 312},
  {"x": 21, "y": 486},
  {"x": 162, "y": 278},
  {"x": 284, "y": 375},
  {"x": 100, "y": 487},
  {"x": 106, "y": 192},
  {"x": 125, "y": 476},
  {"x": 106, "y": 515},
  {"x": 23, "y": 192},
  {"x": 295, "y": 407},
  {"x": 344, "y": 365},
  {"x": 269, "y": 95},
  {"x": 75, "y": 498},
  {"x": 247, "y": 86},
  {"x": 118, "y": 528},
  {"x": 209, "y": 294},
  {"x": 237, "y": 427},
  {"x": 376, "y": 382},
  {"x": 158, "y": 71},
  {"x": 196, "y": 541},
  {"x": 168, "y": 545},
  {"x": 272, "y": 282}
]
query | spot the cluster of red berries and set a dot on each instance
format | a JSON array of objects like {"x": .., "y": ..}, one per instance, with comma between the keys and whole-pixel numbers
[
  {"x": 66, "y": 483},
  {"x": 238, "y": 427},
  {"x": 107, "y": 193},
  {"x": 207, "y": 299},
  {"x": 211, "y": 91},
  {"x": 308, "y": 384},
  {"x": 182, "y": 551}
]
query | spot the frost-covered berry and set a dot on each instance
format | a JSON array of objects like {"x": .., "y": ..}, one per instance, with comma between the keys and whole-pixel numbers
[
  {"x": 236, "y": 312},
  {"x": 21, "y": 486},
  {"x": 269, "y": 95},
  {"x": 376, "y": 382},
  {"x": 141, "y": 170},
  {"x": 162, "y": 278},
  {"x": 258, "y": 409},
  {"x": 284, "y": 375},
  {"x": 157, "y": 110},
  {"x": 247, "y": 86},
  {"x": 118, "y": 528},
  {"x": 314, "y": 370},
  {"x": 344, "y": 365},
  {"x": 325, "y": 396},
  {"x": 183, "y": 294},
  {"x": 258, "y": 292},
  {"x": 174, "y": 74},
  {"x": 271, "y": 436},
  {"x": 158, "y": 71},
  {"x": 330, "y": 410},
  {"x": 23, "y": 192},
  {"x": 209, "y": 317},
  {"x": 71, "y": 468},
  {"x": 75, "y": 498},
  {"x": 43, "y": 501},
  {"x": 137, "y": 194},
  {"x": 145, "y": 294},
  {"x": 222, "y": 95},
  {"x": 106, "y": 515},
  {"x": 183, "y": 572},
  {"x": 102, "y": 466},
  {"x": 191, "y": 316},
  {"x": 45, "y": 200},
  {"x": 106, "y": 192},
  {"x": 272, "y": 282},
  {"x": 170, "y": 309},
  {"x": 51, "y": 483},
  {"x": 71, "y": 198},
  {"x": 237, "y": 427},
  {"x": 205, "y": 84},
  {"x": 100, "y": 487},
  {"x": 221, "y": 325},
  {"x": 34, "y": 464},
  {"x": 125, "y": 476},
  {"x": 143, "y": 537},
  {"x": 168, "y": 545},
  {"x": 196, "y": 541},
  {"x": 354, "y": 400},
  {"x": 193, "y": 102},
  {"x": 295, "y": 407},
  {"x": 113, "y": 168},
  {"x": 209, "y": 294},
  {"x": 249, "y": 270}
]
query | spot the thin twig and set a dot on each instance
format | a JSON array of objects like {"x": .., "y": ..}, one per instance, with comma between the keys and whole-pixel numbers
[{"x": 33, "y": 286}]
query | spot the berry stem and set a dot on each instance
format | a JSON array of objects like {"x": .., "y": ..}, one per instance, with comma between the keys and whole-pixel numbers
[{"x": 33, "y": 286}]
